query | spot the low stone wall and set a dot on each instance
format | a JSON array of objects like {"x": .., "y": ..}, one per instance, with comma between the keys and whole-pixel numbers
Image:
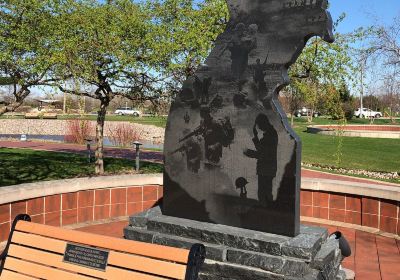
[
  {"x": 369, "y": 131},
  {"x": 59, "y": 127},
  {"x": 375, "y": 207},
  {"x": 72, "y": 201},
  {"x": 68, "y": 202},
  {"x": 362, "y": 127}
]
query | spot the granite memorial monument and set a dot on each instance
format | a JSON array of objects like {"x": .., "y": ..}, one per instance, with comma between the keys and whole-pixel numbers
[
  {"x": 232, "y": 162},
  {"x": 230, "y": 155}
]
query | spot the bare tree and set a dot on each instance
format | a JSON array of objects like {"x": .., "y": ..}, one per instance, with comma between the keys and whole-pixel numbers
[
  {"x": 386, "y": 42},
  {"x": 293, "y": 98},
  {"x": 391, "y": 84}
]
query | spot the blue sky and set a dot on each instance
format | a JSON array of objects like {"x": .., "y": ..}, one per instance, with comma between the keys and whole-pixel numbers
[{"x": 364, "y": 12}]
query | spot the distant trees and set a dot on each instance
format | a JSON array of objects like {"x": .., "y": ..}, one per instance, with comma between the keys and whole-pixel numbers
[
  {"x": 383, "y": 51},
  {"x": 140, "y": 50},
  {"x": 187, "y": 31},
  {"x": 136, "y": 51},
  {"x": 321, "y": 72},
  {"x": 27, "y": 47},
  {"x": 105, "y": 51}
]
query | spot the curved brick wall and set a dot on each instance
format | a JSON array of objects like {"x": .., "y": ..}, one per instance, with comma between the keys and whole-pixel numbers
[
  {"x": 74, "y": 201},
  {"x": 81, "y": 206},
  {"x": 378, "y": 213}
]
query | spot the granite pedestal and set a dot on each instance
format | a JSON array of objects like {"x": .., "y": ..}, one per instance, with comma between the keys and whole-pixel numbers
[{"x": 242, "y": 254}]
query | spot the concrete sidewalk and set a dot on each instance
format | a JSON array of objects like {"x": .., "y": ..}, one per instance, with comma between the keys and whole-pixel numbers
[{"x": 158, "y": 157}]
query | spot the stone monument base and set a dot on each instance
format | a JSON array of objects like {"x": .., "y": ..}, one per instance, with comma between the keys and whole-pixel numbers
[{"x": 241, "y": 254}]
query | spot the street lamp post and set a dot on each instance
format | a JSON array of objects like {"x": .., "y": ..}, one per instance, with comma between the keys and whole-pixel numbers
[
  {"x": 89, "y": 151},
  {"x": 137, "y": 148}
]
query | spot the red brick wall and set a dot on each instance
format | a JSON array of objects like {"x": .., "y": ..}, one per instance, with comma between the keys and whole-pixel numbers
[
  {"x": 79, "y": 207},
  {"x": 92, "y": 205},
  {"x": 354, "y": 209}
]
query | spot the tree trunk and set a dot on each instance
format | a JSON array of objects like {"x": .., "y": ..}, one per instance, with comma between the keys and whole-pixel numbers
[
  {"x": 10, "y": 107},
  {"x": 310, "y": 116},
  {"x": 20, "y": 96},
  {"x": 292, "y": 118},
  {"x": 101, "y": 115}
]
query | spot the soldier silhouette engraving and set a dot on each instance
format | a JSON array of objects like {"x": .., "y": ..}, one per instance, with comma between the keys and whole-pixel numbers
[
  {"x": 259, "y": 74},
  {"x": 242, "y": 43},
  {"x": 201, "y": 88},
  {"x": 216, "y": 133},
  {"x": 266, "y": 154}
]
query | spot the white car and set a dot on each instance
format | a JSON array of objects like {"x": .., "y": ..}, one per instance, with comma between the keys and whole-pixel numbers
[
  {"x": 127, "y": 111},
  {"x": 368, "y": 113}
]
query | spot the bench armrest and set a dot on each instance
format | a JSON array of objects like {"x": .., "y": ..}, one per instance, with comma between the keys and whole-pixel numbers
[
  {"x": 196, "y": 259},
  {"x": 20, "y": 217}
]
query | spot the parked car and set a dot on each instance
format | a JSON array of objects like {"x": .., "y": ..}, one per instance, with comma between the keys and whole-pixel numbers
[
  {"x": 127, "y": 111},
  {"x": 368, "y": 113},
  {"x": 306, "y": 112}
]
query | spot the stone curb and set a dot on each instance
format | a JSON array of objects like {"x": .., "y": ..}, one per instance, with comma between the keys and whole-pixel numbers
[
  {"x": 348, "y": 187},
  {"x": 13, "y": 193}
]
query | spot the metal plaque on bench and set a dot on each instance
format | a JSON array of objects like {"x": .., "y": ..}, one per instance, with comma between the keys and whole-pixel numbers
[
  {"x": 231, "y": 157},
  {"x": 86, "y": 256}
]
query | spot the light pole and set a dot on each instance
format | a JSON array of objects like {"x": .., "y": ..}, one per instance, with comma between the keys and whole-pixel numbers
[
  {"x": 137, "y": 148},
  {"x": 362, "y": 69},
  {"x": 362, "y": 89},
  {"x": 89, "y": 151}
]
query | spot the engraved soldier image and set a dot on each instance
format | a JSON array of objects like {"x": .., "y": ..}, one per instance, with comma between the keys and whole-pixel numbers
[
  {"x": 242, "y": 43},
  {"x": 201, "y": 88},
  {"x": 186, "y": 117},
  {"x": 192, "y": 151},
  {"x": 266, "y": 154},
  {"x": 216, "y": 135},
  {"x": 187, "y": 95},
  {"x": 259, "y": 73}
]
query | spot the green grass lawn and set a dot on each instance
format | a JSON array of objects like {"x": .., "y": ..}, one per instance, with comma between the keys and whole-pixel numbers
[
  {"x": 372, "y": 154},
  {"x": 19, "y": 166}
]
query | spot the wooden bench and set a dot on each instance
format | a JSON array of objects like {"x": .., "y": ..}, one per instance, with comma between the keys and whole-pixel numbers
[
  {"x": 36, "y": 251},
  {"x": 50, "y": 116},
  {"x": 32, "y": 116}
]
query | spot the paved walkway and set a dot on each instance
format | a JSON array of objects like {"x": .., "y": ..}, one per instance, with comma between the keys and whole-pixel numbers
[
  {"x": 373, "y": 257},
  {"x": 81, "y": 149},
  {"x": 158, "y": 157}
]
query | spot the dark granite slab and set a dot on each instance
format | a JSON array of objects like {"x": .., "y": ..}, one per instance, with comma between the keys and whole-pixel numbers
[{"x": 231, "y": 156}]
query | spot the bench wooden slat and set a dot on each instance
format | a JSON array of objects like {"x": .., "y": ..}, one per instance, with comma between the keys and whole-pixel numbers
[
  {"x": 41, "y": 271},
  {"x": 167, "y": 269},
  {"x": 139, "y": 263},
  {"x": 129, "y": 246},
  {"x": 11, "y": 275},
  {"x": 56, "y": 260}
]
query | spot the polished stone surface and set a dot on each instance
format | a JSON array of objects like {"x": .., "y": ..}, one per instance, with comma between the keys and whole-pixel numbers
[{"x": 230, "y": 155}]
